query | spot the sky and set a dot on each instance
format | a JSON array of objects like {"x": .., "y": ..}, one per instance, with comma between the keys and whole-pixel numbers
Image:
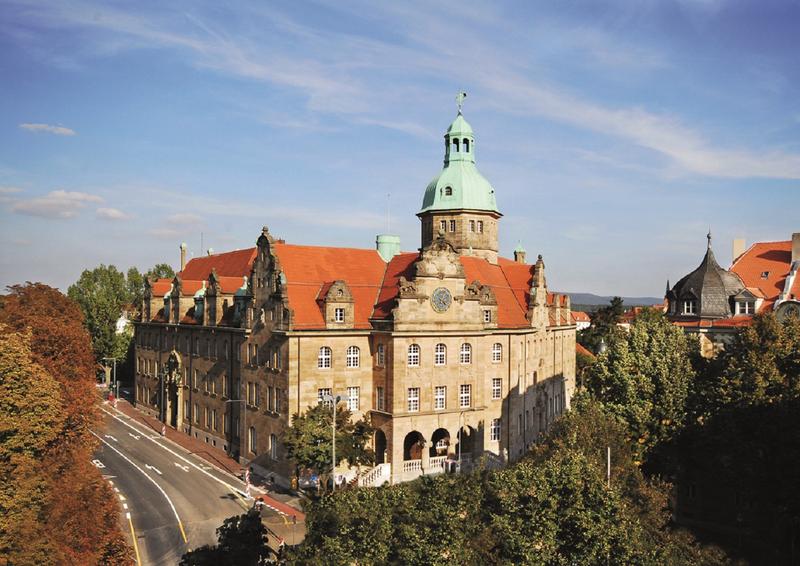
[{"x": 615, "y": 133}]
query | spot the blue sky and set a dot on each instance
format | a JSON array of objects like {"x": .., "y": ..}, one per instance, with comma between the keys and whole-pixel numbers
[{"x": 614, "y": 133}]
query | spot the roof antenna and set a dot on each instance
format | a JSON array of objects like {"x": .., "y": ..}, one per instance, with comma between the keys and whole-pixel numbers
[
  {"x": 201, "y": 244},
  {"x": 709, "y": 237},
  {"x": 460, "y": 99}
]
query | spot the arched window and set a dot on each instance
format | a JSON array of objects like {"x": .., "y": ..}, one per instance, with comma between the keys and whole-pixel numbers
[
  {"x": 353, "y": 356},
  {"x": 448, "y": 191},
  {"x": 497, "y": 353},
  {"x": 273, "y": 446},
  {"x": 324, "y": 358},
  {"x": 251, "y": 440},
  {"x": 455, "y": 144},
  {"x": 413, "y": 356},
  {"x": 466, "y": 145},
  {"x": 440, "y": 355},
  {"x": 466, "y": 354}
]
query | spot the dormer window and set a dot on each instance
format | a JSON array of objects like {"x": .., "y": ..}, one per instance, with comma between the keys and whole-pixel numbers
[
  {"x": 690, "y": 306},
  {"x": 455, "y": 144},
  {"x": 745, "y": 307},
  {"x": 466, "y": 145},
  {"x": 764, "y": 274},
  {"x": 448, "y": 191},
  {"x": 338, "y": 314},
  {"x": 443, "y": 225}
]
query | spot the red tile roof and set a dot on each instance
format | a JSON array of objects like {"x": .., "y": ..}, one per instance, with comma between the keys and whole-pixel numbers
[
  {"x": 502, "y": 280},
  {"x": 307, "y": 268},
  {"x": 160, "y": 287},
  {"x": 580, "y": 316},
  {"x": 229, "y": 264},
  {"x": 732, "y": 322},
  {"x": 774, "y": 258},
  {"x": 229, "y": 285},
  {"x": 401, "y": 265},
  {"x": 579, "y": 349}
]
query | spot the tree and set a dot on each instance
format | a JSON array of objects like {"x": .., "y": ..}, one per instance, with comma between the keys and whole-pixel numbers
[
  {"x": 80, "y": 516},
  {"x": 604, "y": 325},
  {"x": 135, "y": 281},
  {"x": 241, "y": 540},
  {"x": 101, "y": 293},
  {"x": 308, "y": 440},
  {"x": 643, "y": 379}
]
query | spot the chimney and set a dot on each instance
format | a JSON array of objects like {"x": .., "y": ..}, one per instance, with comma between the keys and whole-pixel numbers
[
  {"x": 388, "y": 246},
  {"x": 738, "y": 248},
  {"x": 519, "y": 253},
  {"x": 183, "y": 255},
  {"x": 795, "y": 247},
  {"x": 210, "y": 251}
]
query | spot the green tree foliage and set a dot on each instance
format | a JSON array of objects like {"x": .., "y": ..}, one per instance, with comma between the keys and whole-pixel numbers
[
  {"x": 604, "y": 325},
  {"x": 643, "y": 379},
  {"x": 101, "y": 294},
  {"x": 309, "y": 439},
  {"x": 241, "y": 540},
  {"x": 135, "y": 281}
]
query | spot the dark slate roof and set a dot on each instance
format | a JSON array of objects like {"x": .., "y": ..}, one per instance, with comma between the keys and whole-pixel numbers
[{"x": 711, "y": 285}]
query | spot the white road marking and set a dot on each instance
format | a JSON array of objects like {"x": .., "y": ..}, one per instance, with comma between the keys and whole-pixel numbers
[
  {"x": 156, "y": 470},
  {"x": 184, "y": 468},
  {"x": 135, "y": 436},
  {"x": 98, "y": 463},
  {"x": 111, "y": 437},
  {"x": 121, "y": 497},
  {"x": 156, "y": 441},
  {"x": 117, "y": 490},
  {"x": 164, "y": 493},
  {"x": 125, "y": 506},
  {"x": 127, "y": 515}
]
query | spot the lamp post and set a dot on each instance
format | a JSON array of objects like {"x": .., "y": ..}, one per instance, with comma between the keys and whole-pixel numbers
[
  {"x": 333, "y": 401},
  {"x": 460, "y": 438},
  {"x": 114, "y": 384},
  {"x": 244, "y": 420}
]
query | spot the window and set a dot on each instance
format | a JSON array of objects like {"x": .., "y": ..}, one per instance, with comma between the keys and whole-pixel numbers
[
  {"x": 497, "y": 353},
  {"x": 480, "y": 226},
  {"x": 196, "y": 377},
  {"x": 338, "y": 314},
  {"x": 353, "y": 356},
  {"x": 187, "y": 410},
  {"x": 197, "y": 346},
  {"x": 208, "y": 417},
  {"x": 466, "y": 354},
  {"x": 277, "y": 400},
  {"x": 440, "y": 355},
  {"x": 270, "y": 399},
  {"x": 413, "y": 356},
  {"x": 322, "y": 394},
  {"x": 413, "y": 399},
  {"x": 440, "y": 397},
  {"x": 466, "y": 145},
  {"x": 353, "y": 394},
  {"x": 381, "y": 357},
  {"x": 448, "y": 192},
  {"x": 465, "y": 395},
  {"x": 455, "y": 144},
  {"x": 487, "y": 315},
  {"x": 324, "y": 358},
  {"x": 452, "y": 225},
  {"x": 252, "y": 440},
  {"x": 471, "y": 225},
  {"x": 273, "y": 446},
  {"x": 380, "y": 400},
  {"x": 214, "y": 421},
  {"x": 206, "y": 381},
  {"x": 690, "y": 307},
  {"x": 196, "y": 413},
  {"x": 254, "y": 361},
  {"x": 257, "y": 394},
  {"x": 746, "y": 307},
  {"x": 497, "y": 388},
  {"x": 224, "y": 379},
  {"x": 765, "y": 275},
  {"x": 443, "y": 225},
  {"x": 494, "y": 430}
]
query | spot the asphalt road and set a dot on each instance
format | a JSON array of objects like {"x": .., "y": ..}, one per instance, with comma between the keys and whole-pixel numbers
[{"x": 175, "y": 500}]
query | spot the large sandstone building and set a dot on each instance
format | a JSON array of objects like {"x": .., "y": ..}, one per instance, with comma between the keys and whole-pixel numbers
[{"x": 453, "y": 351}]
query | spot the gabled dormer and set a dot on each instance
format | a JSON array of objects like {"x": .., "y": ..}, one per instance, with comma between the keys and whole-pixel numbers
[
  {"x": 487, "y": 300},
  {"x": 337, "y": 304},
  {"x": 746, "y": 302}
]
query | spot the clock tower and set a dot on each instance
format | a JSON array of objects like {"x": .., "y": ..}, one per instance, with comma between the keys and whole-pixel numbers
[{"x": 459, "y": 203}]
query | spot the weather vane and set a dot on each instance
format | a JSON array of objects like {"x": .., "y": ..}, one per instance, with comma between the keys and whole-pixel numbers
[{"x": 460, "y": 100}]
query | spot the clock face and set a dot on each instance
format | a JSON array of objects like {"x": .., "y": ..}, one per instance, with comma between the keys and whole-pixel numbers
[{"x": 441, "y": 299}]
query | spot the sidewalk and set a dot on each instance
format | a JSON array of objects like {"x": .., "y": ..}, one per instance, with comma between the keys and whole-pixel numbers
[{"x": 283, "y": 503}]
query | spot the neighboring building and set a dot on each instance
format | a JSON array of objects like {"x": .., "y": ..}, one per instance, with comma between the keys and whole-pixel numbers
[
  {"x": 714, "y": 303},
  {"x": 432, "y": 344},
  {"x": 581, "y": 320}
]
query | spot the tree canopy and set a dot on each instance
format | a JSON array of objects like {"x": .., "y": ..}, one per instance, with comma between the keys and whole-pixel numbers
[
  {"x": 604, "y": 325},
  {"x": 241, "y": 540}
]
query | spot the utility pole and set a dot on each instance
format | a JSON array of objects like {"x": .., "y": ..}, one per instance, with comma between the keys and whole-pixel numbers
[{"x": 333, "y": 401}]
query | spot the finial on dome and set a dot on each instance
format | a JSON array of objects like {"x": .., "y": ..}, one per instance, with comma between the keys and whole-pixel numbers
[
  {"x": 460, "y": 100},
  {"x": 709, "y": 237}
]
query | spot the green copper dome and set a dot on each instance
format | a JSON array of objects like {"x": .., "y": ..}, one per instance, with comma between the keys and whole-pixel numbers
[{"x": 459, "y": 185}]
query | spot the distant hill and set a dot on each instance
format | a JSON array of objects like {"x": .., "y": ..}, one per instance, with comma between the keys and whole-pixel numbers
[{"x": 597, "y": 300}]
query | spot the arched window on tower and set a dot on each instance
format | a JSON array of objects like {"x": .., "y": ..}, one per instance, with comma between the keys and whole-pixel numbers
[
  {"x": 455, "y": 144},
  {"x": 448, "y": 191},
  {"x": 466, "y": 145}
]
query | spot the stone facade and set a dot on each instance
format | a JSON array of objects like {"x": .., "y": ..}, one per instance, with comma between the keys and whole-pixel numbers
[{"x": 455, "y": 354}]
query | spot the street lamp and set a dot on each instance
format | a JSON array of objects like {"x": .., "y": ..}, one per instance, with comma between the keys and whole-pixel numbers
[
  {"x": 333, "y": 401},
  {"x": 244, "y": 421},
  {"x": 114, "y": 384}
]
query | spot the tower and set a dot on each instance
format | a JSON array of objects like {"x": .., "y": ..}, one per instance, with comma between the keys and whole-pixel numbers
[{"x": 459, "y": 202}]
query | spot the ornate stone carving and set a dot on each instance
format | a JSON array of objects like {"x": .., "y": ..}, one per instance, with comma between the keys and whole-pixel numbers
[{"x": 440, "y": 260}]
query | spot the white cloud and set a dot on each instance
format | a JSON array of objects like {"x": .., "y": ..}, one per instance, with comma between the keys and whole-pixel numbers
[
  {"x": 184, "y": 218},
  {"x": 55, "y": 204},
  {"x": 165, "y": 233},
  {"x": 111, "y": 214},
  {"x": 57, "y": 130},
  {"x": 9, "y": 190}
]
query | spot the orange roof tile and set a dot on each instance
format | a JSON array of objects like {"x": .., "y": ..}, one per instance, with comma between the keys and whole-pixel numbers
[
  {"x": 190, "y": 287},
  {"x": 580, "y": 316},
  {"x": 229, "y": 285},
  {"x": 307, "y": 268},
  {"x": 772, "y": 258},
  {"x": 579, "y": 349},
  {"x": 229, "y": 264},
  {"x": 401, "y": 265},
  {"x": 510, "y": 313},
  {"x": 161, "y": 287}
]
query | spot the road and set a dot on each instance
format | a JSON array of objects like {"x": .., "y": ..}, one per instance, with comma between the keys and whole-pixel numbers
[{"x": 175, "y": 500}]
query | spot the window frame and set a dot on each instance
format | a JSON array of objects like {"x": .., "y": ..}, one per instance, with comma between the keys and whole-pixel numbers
[
  {"x": 497, "y": 388},
  {"x": 465, "y": 354},
  {"x": 354, "y": 398},
  {"x": 413, "y": 356},
  {"x": 353, "y": 357},
  {"x": 494, "y": 430},
  {"x": 413, "y": 400},
  {"x": 325, "y": 358},
  {"x": 497, "y": 353},
  {"x": 440, "y": 354},
  {"x": 338, "y": 314},
  {"x": 465, "y": 395},
  {"x": 440, "y": 397}
]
